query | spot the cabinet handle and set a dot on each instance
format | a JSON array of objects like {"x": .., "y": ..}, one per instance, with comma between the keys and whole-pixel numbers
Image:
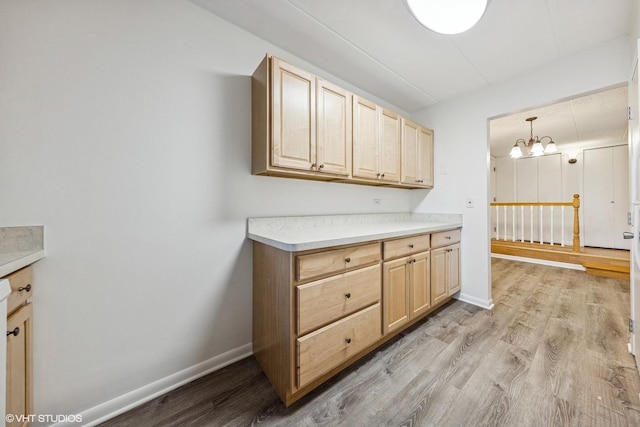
[
  {"x": 347, "y": 259},
  {"x": 382, "y": 176},
  {"x": 26, "y": 288},
  {"x": 321, "y": 166},
  {"x": 348, "y": 295},
  {"x": 15, "y": 332},
  {"x": 447, "y": 237},
  {"x": 411, "y": 246},
  {"x": 348, "y": 340},
  {"x": 378, "y": 174},
  {"x": 313, "y": 165}
]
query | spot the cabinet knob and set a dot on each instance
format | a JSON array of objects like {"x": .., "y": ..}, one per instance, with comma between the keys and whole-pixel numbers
[
  {"x": 26, "y": 288},
  {"x": 347, "y": 259},
  {"x": 313, "y": 165},
  {"x": 321, "y": 166},
  {"x": 411, "y": 246},
  {"x": 382, "y": 176},
  {"x": 15, "y": 332},
  {"x": 348, "y": 340},
  {"x": 347, "y": 295},
  {"x": 447, "y": 237}
]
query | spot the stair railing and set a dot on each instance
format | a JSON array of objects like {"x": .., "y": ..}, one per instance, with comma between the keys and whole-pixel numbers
[{"x": 513, "y": 223}]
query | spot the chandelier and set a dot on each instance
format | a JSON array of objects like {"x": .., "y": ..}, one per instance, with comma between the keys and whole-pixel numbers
[{"x": 534, "y": 146}]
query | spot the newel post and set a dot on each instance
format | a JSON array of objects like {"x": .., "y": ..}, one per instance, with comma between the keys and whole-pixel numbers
[{"x": 576, "y": 223}]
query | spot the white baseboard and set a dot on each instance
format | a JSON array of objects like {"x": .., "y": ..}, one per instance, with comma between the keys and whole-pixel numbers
[
  {"x": 483, "y": 303},
  {"x": 541, "y": 262},
  {"x": 107, "y": 410}
]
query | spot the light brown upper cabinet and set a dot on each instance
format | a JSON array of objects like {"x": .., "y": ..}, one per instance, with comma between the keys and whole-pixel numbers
[
  {"x": 417, "y": 155},
  {"x": 333, "y": 142},
  {"x": 301, "y": 124},
  {"x": 306, "y": 127},
  {"x": 376, "y": 142}
]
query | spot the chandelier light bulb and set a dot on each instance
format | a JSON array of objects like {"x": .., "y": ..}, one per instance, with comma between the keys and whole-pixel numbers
[{"x": 448, "y": 16}]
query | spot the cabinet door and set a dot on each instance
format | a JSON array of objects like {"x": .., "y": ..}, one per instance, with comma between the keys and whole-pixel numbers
[
  {"x": 425, "y": 157},
  {"x": 420, "y": 284},
  {"x": 389, "y": 161},
  {"x": 19, "y": 364},
  {"x": 438, "y": 275},
  {"x": 293, "y": 142},
  {"x": 334, "y": 129},
  {"x": 453, "y": 269},
  {"x": 410, "y": 133},
  {"x": 395, "y": 294},
  {"x": 365, "y": 139}
]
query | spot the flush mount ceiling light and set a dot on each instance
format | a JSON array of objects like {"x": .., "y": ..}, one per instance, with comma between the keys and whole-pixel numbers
[
  {"x": 533, "y": 147},
  {"x": 448, "y": 16}
]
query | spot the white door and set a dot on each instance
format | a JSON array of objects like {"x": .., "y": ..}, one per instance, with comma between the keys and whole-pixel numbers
[
  {"x": 634, "y": 144},
  {"x": 606, "y": 202},
  {"x": 621, "y": 206}
]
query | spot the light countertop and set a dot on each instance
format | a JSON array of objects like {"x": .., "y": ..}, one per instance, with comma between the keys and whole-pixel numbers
[
  {"x": 302, "y": 233},
  {"x": 19, "y": 247}
]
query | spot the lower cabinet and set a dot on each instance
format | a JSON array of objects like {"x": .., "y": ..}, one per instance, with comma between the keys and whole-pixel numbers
[
  {"x": 19, "y": 351},
  {"x": 19, "y": 363},
  {"x": 406, "y": 290},
  {"x": 445, "y": 265},
  {"x": 315, "y": 312}
]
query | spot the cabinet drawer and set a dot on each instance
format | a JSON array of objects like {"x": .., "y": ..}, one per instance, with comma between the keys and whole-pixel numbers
[
  {"x": 406, "y": 246},
  {"x": 337, "y": 260},
  {"x": 324, "y": 349},
  {"x": 329, "y": 299},
  {"x": 445, "y": 238},
  {"x": 21, "y": 288}
]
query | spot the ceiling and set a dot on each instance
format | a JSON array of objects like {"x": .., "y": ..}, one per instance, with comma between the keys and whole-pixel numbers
[
  {"x": 588, "y": 121},
  {"x": 379, "y": 47}
]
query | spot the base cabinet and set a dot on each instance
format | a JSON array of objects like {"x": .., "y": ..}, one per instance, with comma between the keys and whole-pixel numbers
[
  {"x": 445, "y": 265},
  {"x": 316, "y": 312},
  {"x": 19, "y": 350},
  {"x": 406, "y": 290}
]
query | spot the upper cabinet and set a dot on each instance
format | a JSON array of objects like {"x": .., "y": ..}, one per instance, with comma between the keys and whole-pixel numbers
[
  {"x": 306, "y": 127},
  {"x": 417, "y": 155},
  {"x": 294, "y": 125}
]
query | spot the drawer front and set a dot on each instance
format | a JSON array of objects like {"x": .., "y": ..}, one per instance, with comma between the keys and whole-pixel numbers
[
  {"x": 406, "y": 246},
  {"x": 21, "y": 288},
  {"x": 326, "y": 300},
  {"x": 324, "y": 349},
  {"x": 445, "y": 238},
  {"x": 336, "y": 260}
]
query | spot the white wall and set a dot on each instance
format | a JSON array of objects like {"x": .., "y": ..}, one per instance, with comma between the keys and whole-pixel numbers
[
  {"x": 461, "y": 147},
  {"x": 125, "y": 130}
]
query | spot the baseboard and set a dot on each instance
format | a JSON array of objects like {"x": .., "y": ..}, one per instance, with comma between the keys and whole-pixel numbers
[
  {"x": 483, "y": 303},
  {"x": 107, "y": 410},
  {"x": 541, "y": 262}
]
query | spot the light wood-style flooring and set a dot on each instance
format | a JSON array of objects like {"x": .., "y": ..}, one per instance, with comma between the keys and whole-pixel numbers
[{"x": 553, "y": 352}]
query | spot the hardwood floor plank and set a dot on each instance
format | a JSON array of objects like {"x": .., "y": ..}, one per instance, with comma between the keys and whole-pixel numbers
[{"x": 552, "y": 352}]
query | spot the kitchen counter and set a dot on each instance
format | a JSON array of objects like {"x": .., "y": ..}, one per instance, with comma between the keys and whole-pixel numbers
[
  {"x": 19, "y": 247},
  {"x": 300, "y": 233}
]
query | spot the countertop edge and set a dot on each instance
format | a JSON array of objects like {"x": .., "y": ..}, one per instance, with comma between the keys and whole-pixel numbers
[
  {"x": 321, "y": 244},
  {"x": 19, "y": 263}
]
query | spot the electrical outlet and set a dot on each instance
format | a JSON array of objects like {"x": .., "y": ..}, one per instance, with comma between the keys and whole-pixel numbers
[{"x": 469, "y": 203}]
